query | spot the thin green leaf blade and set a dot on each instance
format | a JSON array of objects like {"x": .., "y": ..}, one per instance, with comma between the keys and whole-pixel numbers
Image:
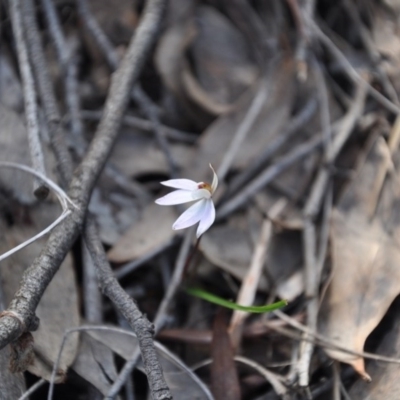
[{"x": 233, "y": 306}]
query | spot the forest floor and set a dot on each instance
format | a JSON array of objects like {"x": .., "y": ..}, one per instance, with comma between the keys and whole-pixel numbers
[{"x": 294, "y": 104}]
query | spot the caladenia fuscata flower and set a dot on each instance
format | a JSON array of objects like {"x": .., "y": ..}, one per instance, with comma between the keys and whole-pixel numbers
[{"x": 202, "y": 212}]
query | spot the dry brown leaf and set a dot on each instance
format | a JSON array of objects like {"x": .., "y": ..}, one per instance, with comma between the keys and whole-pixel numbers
[
  {"x": 137, "y": 155},
  {"x": 58, "y": 309},
  {"x": 173, "y": 43},
  {"x": 95, "y": 363},
  {"x": 230, "y": 248},
  {"x": 366, "y": 256},
  {"x": 152, "y": 230},
  {"x": 224, "y": 376},
  {"x": 222, "y": 69},
  {"x": 385, "y": 36},
  {"x": 184, "y": 384},
  {"x": 385, "y": 376},
  {"x": 170, "y": 61},
  {"x": 206, "y": 76},
  {"x": 274, "y": 113}
]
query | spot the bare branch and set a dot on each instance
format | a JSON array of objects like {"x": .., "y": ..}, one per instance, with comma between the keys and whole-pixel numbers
[
  {"x": 46, "y": 91},
  {"x": 142, "y": 327},
  {"x": 21, "y": 313},
  {"x": 137, "y": 94}
]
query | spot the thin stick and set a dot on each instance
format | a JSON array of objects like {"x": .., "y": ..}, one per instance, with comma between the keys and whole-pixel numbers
[
  {"x": 268, "y": 175},
  {"x": 371, "y": 50},
  {"x": 346, "y": 126},
  {"x": 182, "y": 262},
  {"x": 45, "y": 231},
  {"x": 312, "y": 267},
  {"x": 242, "y": 131},
  {"x": 69, "y": 66},
  {"x": 68, "y": 332},
  {"x": 31, "y": 111},
  {"x": 98, "y": 34},
  {"x": 143, "y": 329},
  {"x": 150, "y": 112},
  {"x": 284, "y": 137},
  {"x": 46, "y": 90},
  {"x": 126, "y": 269},
  {"x": 321, "y": 340},
  {"x": 250, "y": 282},
  {"x": 137, "y": 94},
  {"x": 92, "y": 298},
  {"x": 272, "y": 378},
  {"x": 307, "y": 12},
  {"x": 142, "y": 124},
  {"x": 350, "y": 71},
  {"x": 160, "y": 319},
  {"x": 33, "y": 389},
  {"x": 336, "y": 381},
  {"x": 92, "y": 301},
  {"x": 62, "y": 196}
]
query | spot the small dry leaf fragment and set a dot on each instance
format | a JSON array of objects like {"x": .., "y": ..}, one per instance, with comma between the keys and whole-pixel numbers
[
  {"x": 138, "y": 155},
  {"x": 366, "y": 258},
  {"x": 385, "y": 376},
  {"x": 95, "y": 363},
  {"x": 228, "y": 248},
  {"x": 21, "y": 357},
  {"x": 151, "y": 231},
  {"x": 12, "y": 384},
  {"x": 222, "y": 68}
]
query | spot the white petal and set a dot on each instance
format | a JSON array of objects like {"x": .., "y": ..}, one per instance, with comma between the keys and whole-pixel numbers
[
  {"x": 176, "y": 197},
  {"x": 208, "y": 217},
  {"x": 185, "y": 184},
  {"x": 214, "y": 183},
  {"x": 200, "y": 194},
  {"x": 191, "y": 216}
]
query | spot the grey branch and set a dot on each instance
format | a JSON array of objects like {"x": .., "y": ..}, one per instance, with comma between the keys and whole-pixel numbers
[
  {"x": 138, "y": 95},
  {"x": 143, "y": 329},
  {"x": 20, "y": 315},
  {"x": 46, "y": 91},
  {"x": 31, "y": 111}
]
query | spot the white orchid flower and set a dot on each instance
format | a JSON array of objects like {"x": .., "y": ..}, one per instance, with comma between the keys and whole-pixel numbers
[{"x": 203, "y": 211}]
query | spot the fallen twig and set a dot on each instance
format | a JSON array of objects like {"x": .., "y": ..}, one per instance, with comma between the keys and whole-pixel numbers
[
  {"x": 68, "y": 64},
  {"x": 251, "y": 280},
  {"x": 137, "y": 94},
  {"x": 143, "y": 329},
  {"x": 311, "y": 209},
  {"x": 20, "y": 315},
  {"x": 31, "y": 109}
]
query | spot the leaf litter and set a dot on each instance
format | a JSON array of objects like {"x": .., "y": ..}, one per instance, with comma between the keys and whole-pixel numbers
[{"x": 261, "y": 90}]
